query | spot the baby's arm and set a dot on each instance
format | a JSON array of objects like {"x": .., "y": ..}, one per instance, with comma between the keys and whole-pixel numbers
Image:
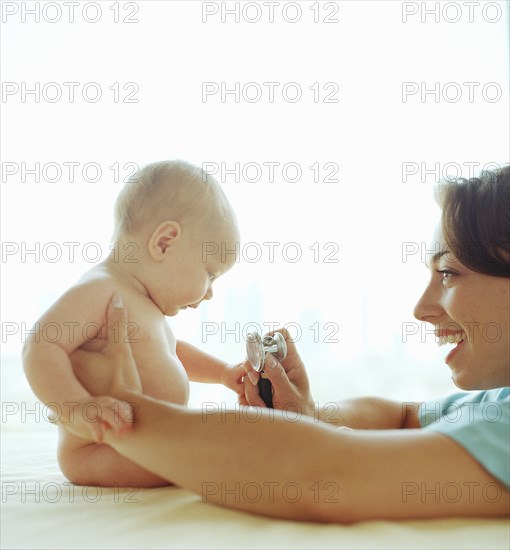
[
  {"x": 203, "y": 367},
  {"x": 67, "y": 325}
]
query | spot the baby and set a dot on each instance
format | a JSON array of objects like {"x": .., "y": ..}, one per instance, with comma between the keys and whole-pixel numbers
[{"x": 168, "y": 218}]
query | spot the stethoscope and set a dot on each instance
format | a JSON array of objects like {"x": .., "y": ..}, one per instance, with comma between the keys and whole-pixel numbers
[{"x": 256, "y": 349}]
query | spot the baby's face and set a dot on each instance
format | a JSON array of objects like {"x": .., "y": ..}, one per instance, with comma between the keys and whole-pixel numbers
[{"x": 193, "y": 265}]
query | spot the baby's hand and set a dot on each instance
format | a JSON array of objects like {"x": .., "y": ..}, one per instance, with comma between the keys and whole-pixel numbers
[
  {"x": 232, "y": 378},
  {"x": 92, "y": 416}
]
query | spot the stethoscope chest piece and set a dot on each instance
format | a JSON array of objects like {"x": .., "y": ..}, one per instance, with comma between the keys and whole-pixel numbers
[{"x": 257, "y": 348}]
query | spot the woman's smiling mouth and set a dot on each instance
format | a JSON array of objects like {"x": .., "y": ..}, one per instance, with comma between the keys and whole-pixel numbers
[{"x": 445, "y": 337}]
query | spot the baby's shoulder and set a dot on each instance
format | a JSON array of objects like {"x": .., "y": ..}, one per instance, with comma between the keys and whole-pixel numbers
[
  {"x": 91, "y": 291},
  {"x": 97, "y": 276},
  {"x": 100, "y": 283},
  {"x": 95, "y": 283},
  {"x": 89, "y": 296}
]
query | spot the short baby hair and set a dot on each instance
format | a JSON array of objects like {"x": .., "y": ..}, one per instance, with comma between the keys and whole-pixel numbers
[{"x": 169, "y": 190}]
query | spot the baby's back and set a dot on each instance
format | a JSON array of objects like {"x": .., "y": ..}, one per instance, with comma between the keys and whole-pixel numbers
[{"x": 161, "y": 372}]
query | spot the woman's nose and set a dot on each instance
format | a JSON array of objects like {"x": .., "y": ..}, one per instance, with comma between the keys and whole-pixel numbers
[{"x": 428, "y": 306}]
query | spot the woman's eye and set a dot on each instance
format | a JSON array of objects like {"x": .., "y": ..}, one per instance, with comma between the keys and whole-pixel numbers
[{"x": 446, "y": 273}]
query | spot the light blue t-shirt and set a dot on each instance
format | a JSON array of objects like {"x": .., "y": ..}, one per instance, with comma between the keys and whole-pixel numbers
[{"x": 480, "y": 422}]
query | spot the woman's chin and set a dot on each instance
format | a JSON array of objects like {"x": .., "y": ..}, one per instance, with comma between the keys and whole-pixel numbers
[
  {"x": 458, "y": 378},
  {"x": 465, "y": 382}
]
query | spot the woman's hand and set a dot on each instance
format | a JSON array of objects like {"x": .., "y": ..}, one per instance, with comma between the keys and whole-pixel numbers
[
  {"x": 90, "y": 417},
  {"x": 116, "y": 356},
  {"x": 291, "y": 388},
  {"x": 93, "y": 415}
]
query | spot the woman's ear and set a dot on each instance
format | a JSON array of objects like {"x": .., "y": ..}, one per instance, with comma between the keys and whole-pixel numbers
[{"x": 162, "y": 239}]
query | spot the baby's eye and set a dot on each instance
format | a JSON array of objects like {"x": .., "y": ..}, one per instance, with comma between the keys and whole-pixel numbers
[{"x": 211, "y": 276}]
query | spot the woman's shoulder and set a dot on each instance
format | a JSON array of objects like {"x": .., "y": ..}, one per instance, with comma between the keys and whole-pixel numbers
[
  {"x": 479, "y": 422},
  {"x": 470, "y": 405},
  {"x": 465, "y": 398}
]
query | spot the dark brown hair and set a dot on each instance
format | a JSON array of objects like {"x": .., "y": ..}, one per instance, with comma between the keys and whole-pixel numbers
[{"x": 476, "y": 220}]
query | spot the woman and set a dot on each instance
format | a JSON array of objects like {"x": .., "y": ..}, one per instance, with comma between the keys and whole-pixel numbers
[{"x": 400, "y": 460}]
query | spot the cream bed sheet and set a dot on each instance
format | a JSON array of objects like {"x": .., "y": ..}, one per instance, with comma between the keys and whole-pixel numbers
[{"x": 40, "y": 510}]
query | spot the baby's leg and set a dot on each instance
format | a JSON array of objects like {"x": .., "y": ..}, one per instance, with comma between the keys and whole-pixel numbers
[{"x": 99, "y": 464}]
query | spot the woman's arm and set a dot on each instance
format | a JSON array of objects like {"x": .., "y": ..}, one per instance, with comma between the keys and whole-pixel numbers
[
  {"x": 370, "y": 413},
  {"x": 291, "y": 392},
  {"x": 303, "y": 470},
  {"x": 265, "y": 462}
]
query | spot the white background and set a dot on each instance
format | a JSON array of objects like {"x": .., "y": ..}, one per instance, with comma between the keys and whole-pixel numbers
[{"x": 168, "y": 52}]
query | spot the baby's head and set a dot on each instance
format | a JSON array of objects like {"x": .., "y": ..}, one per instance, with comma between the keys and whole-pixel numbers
[{"x": 183, "y": 228}]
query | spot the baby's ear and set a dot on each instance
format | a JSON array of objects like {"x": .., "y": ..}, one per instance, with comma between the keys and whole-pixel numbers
[{"x": 162, "y": 238}]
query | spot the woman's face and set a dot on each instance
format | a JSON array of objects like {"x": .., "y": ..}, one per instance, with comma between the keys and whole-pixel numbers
[{"x": 473, "y": 310}]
